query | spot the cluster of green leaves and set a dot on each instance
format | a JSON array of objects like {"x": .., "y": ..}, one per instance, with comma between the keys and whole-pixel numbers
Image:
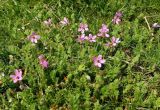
[{"x": 129, "y": 79}]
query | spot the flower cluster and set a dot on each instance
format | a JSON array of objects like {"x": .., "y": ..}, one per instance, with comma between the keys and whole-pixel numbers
[
  {"x": 103, "y": 32},
  {"x": 83, "y": 28},
  {"x": 90, "y": 38}
]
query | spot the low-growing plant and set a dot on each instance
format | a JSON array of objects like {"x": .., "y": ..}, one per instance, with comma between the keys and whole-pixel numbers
[{"x": 79, "y": 55}]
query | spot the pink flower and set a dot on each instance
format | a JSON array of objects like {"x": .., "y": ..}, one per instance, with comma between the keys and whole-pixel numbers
[
  {"x": 98, "y": 61},
  {"x": 91, "y": 38},
  {"x": 48, "y": 22},
  {"x": 117, "y": 18},
  {"x": 114, "y": 42},
  {"x": 18, "y": 75},
  {"x": 43, "y": 62},
  {"x": 83, "y": 27},
  {"x": 118, "y": 14},
  {"x": 82, "y": 37},
  {"x": 103, "y": 31},
  {"x": 64, "y": 21},
  {"x": 34, "y": 37}
]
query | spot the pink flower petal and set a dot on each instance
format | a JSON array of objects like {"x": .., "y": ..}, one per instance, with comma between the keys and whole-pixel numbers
[
  {"x": 102, "y": 61},
  {"x": 99, "y": 65}
]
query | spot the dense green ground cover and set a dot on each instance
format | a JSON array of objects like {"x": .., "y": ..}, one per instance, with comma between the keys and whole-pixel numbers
[{"x": 128, "y": 80}]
